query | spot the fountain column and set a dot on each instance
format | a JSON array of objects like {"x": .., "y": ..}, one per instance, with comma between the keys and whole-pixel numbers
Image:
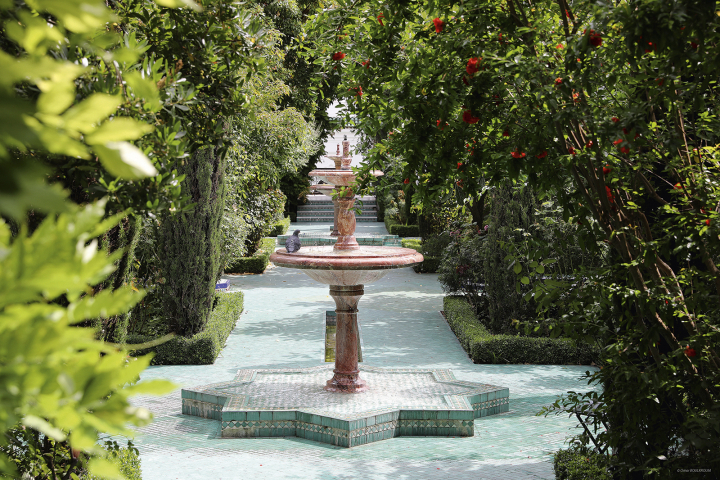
[{"x": 347, "y": 372}]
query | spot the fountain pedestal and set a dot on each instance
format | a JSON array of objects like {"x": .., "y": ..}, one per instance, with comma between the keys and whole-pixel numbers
[{"x": 347, "y": 373}]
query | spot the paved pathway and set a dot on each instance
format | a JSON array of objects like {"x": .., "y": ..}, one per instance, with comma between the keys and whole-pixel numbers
[{"x": 283, "y": 326}]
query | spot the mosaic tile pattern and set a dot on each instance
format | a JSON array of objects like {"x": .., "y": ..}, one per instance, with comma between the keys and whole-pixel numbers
[{"x": 292, "y": 402}]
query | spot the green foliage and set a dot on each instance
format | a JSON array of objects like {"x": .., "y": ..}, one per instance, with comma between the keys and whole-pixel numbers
[
  {"x": 432, "y": 249},
  {"x": 57, "y": 379},
  {"x": 580, "y": 463},
  {"x": 257, "y": 263},
  {"x": 280, "y": 228},
  {"x": 462, "y": 266},
  {"x": 484, "y": 347},
  {"x": 189, "y": 245},
  {"x": 202, "y": 348},
  {"x": 511, "y": 214},
  {"x": 399, "y": 229}
]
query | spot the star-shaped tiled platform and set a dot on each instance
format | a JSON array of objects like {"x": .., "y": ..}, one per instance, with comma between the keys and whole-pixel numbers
[{"x": 399, "y": 402}]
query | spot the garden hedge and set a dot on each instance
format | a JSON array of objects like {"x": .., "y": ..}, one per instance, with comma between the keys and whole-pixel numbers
[
  {"x": 395, "y": 228},
  {"x": 484, "y": 347},
  {"x": 280, "y": 228},
  {"x": 202, "y": 348},
  {"x": 578, "y": 464},
  {"x": 257, "y": 263},
  {"x": 430, "y": 264}
]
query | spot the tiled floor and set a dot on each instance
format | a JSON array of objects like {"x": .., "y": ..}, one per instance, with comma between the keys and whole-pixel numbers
[{"x": 283, "y": 326}]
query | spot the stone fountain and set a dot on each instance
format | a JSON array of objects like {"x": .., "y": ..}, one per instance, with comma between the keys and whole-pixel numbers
[{"x": 345, "y": 410}]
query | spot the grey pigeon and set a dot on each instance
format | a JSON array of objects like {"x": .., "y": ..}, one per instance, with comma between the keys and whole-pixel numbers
[{"x": 292, "y": 244}]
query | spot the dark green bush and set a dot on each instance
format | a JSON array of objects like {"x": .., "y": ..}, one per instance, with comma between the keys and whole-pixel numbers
[
  {"x": 202, "y": 348},
  {"x": 430, "y": 263},
  {"x": 395, "y": 228},
  {"x": 126, "y": 458},
  {"x": 484, "y": 347},
  {"x": 280, "y": 228},
  {"x": 255, "y": 264},
  {"x": 578, "y": 463}
]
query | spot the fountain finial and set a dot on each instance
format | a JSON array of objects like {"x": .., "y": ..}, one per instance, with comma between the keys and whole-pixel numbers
[{"x": 346, "y": 158}]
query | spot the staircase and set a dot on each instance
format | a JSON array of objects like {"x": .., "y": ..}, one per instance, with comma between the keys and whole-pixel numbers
[{"x": 320, "y": 209}]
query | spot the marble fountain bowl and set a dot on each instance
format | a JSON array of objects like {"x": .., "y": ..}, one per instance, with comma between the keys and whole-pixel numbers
[
  {"x": 346, "y": 267},
  {"x": 339, "y": 178}
]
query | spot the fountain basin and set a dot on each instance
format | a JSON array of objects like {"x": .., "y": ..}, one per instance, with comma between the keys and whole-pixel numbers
[
  {"x": 346, "y": 267},
  {"x": 340, "y": 178}
]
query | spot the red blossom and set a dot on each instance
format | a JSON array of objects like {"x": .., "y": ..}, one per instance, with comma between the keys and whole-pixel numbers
[
  {"x": 558, "y": 81},
  {"x": 459, "y": 183},
  {"x": 624, "y": 150},
  {"x": 625, "y": 131},
  {"x": 707, "y": 221},
  {"x": 379, "y": 19},
  {"x": 678, "y": 186},
  {"x": 506, "y": 133},
  {"x": 465, "y": 80},
  {"x": 589, "y": 144},
  {"x": 366, "y": 63},
  {"x": 606, "y": 169},
  {"x": 595, "y": 39},
  {"x": 542, "y": 155},
  {"x": 459, "y": 165},
  {"x": 571, "y": 150},
  {"x": 518, "y": 154},
  {"x": 693, "y": 45},
  {"x": 338, "y": 56},
  {"x": 576, "y": 97},
  {"x": 439, "y": 126},
  {"x": 359, "y": 91},
  {"x": 472, "y": 65},
  {"x": 567, "y": 14},
  {"x": 615, "y": 119},
  {"x": 468, "y": 117},
  {"x": 609, "y": 194},
  {"x": 660, "y": 81},
  {"x": 406, "y": 181},
  {"x": 439, "y": 25},
  {"x": 560, "y": 46},
  {"x": 690, "y": 352},
  {"x": 618, "y": 141}
]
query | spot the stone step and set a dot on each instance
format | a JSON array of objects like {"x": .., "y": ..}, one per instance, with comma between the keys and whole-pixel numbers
[
  {"x": 331, "y": 211},
  {"x": 330, "y": 220}
]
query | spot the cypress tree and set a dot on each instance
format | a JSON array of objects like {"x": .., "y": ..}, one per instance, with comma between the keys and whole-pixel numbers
[{"x": 191, "y": 244}]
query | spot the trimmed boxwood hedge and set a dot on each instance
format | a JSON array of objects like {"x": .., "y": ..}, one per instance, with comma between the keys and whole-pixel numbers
[
  {"x": 395, "y": 228},
  {"x": 580, "y": 464},
  {"x": 202, "y": 348},
  {"x": 484, "y": 347},
  {"x": 429, "y": 264},
  {"x": 257, "y": 263},
  {"x": 280, "y": 228}
]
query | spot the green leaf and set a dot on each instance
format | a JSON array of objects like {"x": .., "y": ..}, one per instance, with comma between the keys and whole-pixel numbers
[
  {"x": 125, "y": 160},
  {"x": 540, "y": 269},
  {"x": 42, "y": 426},
  {"x": 517, "y": 268},
  {"x": 179, "y": 4},
  {"x": 104, "y": 468},
  {"x": 84, "y": 116},
  {"x": 525, "y": 280},
  {"x": 118, "y": 129}
]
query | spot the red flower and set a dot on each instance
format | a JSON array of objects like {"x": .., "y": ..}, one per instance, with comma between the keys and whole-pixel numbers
[
  {"x": 609, "y": 194},
  {"x": 558, "y": 81},
  {"x": 506, "y": 133},
  {"x": 660, "y": 81},
  {"x": 542, "y": 155},
  {"x": 693, "y": 45},
  {"x": 338, "y": 56},
  {"x": 576, "y": 97},
  {"x": 440, "y": 127},
  {"x": 571, "y": 150},
  {"x": 560, "y": 46},
  {"x": 379, "y": 19},
  {"x": 465, "y": 80},
  {"x": 472, "y": 65},
  {"x": 406, "y": 181},
  {"x": 518, "y": 154},
  {"x": 615, "y": 119},
  {"x": 707, "y": 222},
  {"x": 595, "y": 39},
  {"x": 359, "y": 91},
  {"x": 618, "y": 141},
  {"x": 459, "y": 165},
  {"x": 459, "y": 183},
  {"x": 468, "y": 117},
  {"x": 366, "y": 63},
  {"x": 606, "y": 169},
  {"x": 589, "y": 144},
  {"x": 624, "y": 150},
  {"x": 567, "y": 14},
  {"x": 625, "y": 131},
  {"x": 439, "y": 25},
  {"x": 500, "y": 38},
  {"x": 678, "y": 186},
  {"x": 690, "y": 352}
]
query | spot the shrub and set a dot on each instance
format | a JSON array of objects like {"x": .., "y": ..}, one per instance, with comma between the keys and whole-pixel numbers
[
  {"x": 126, "y": 458},
  {"x": 202, "y": 348},
  {"x": 431, "y": 249},
  {"x": 484, "y": 347},
  {"x": 255, "y": 264},
  {"x": 280, "y": 228},
  {"x": 395, "y": 228},
  {"x": 461, "y": 269},
  {"x": 580, "y": 463}
]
